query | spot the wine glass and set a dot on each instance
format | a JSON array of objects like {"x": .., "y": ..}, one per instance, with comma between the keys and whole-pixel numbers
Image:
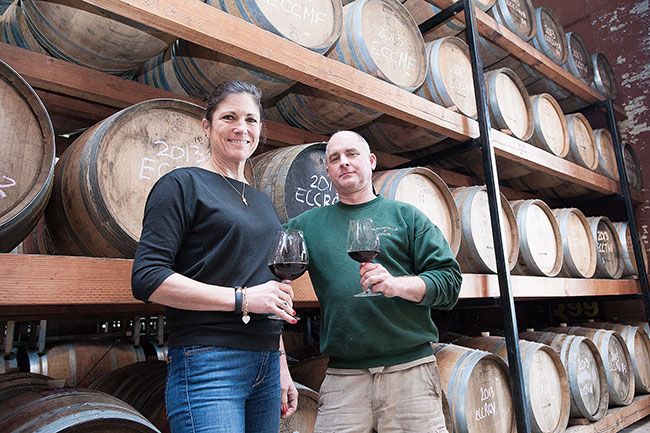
[
  {"x": 363, "y": 245},
  {"x": 289, "y": 258}
]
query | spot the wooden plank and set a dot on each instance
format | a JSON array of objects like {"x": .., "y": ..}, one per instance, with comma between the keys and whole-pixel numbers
[
  {"x": 195, "y": 22},
  {"x": 529, "y": 55},
  {"x": 617, "y": 418},
  {"x": 57, "y": 79},
  {"x": 49, "y": 281},
  {"x": 540, "y": 160}
]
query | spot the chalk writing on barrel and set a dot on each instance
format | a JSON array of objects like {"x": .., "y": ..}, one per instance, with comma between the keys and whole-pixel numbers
[
  {"x": 6, "y": 182},
  {"x": 169, "y": 157},
  {"x": 319, "y": 193}
]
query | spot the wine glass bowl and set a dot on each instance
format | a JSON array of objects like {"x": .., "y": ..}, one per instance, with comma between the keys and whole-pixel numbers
[
  {"x": 288, "y": 258},
  {"x": 363, "y": 245}
]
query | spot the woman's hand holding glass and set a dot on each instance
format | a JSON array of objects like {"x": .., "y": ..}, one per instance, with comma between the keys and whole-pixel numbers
[
  {"x": 289, "y": 258},
  {"x": 272, "y": 297}
]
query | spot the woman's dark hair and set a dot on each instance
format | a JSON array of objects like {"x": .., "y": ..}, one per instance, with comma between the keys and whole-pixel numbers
[{"x": 225, "y": 89}]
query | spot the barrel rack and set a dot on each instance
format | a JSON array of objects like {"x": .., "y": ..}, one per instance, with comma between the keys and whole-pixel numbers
[{"x": 57, "y": 286}]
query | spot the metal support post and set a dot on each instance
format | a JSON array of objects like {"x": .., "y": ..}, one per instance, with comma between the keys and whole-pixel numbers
[
  {"x": 494, "y": 200},
  {"x": 629, "y": 210}
]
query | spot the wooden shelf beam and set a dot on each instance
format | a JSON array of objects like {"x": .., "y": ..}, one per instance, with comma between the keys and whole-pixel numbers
[
  {"x": 617, "y": 418},
  {"x": 76, "y": 283}
]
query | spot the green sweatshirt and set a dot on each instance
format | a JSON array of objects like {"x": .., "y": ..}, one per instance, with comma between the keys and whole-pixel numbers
[{"x": 377, "y": 331}]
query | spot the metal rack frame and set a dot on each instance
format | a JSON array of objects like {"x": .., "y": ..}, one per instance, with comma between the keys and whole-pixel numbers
[{"x": 490, "y": 169}]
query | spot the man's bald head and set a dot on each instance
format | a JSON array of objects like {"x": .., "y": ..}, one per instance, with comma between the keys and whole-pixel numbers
[{"x": 349, "y": 137}]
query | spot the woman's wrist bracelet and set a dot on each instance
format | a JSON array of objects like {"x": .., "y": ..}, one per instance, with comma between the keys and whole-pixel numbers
[{"x": 238, "y": 299}]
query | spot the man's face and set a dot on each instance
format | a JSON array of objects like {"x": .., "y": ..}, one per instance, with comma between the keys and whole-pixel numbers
[{"x": 349, "y": 163}]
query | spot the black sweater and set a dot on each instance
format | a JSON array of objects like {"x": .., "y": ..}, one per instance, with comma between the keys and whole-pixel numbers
[{"x": 195, "y": 224}]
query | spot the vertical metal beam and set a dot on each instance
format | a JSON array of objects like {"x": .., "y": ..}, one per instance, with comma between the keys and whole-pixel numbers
[
  {"x": 629, "y": 210},
  {"x": 494, "y": 199}
]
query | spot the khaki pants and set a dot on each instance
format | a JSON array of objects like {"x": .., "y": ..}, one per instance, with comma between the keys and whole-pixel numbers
[{"x": 401, "y": 398}]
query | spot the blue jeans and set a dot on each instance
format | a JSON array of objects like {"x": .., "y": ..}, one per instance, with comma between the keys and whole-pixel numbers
[{"x": 222, "y": 390}]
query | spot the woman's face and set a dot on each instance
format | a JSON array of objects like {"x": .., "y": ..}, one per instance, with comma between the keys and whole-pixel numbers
[{"x": 234, "y": 132}]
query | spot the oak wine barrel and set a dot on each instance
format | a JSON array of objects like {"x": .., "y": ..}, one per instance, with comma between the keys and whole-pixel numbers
[
  {"x": 426, "y": 191},
  {"x": 26, "y": 158},
  {"x": 582, "y": 141},
  {"x": 14, "y": 30},
  {"x": 604, "y": 79},
  {"x": 189, "y": 69},
  {"x": 509, "y": 103},
  {"x": 75, "y": 31},
  {"x": 103, "y": 179},
  {"x": 379, "y": 38},
  {"x": 627, "y": 251},
  {"x": 545, "y": 380},
  {"x": 79, "y": 363},
  {"x": 449, "y": 76},
  {"x": 606, "y": 156},
  {"x": 550, "y": 129},
  {"x": 295, "y": 179},
  {"x": 422, "y": 11},
  {"x": 70, "y": 411},
  {"x": 578, "y": 245},
  {"x": 585, "y": 372},
  {"x": 141, "y": 385},
  {"x": 540, "y": 243},
  {"x": 315, "y": 25},
  {"x": 638, "y": 344},
  {"x": 478, "y": 389},
  {"x": 616, "y": 359},
  {"x": 633, "y": 170},
  {"x": 476, "y": 254},
  {"x": 578, "y": 61},
  {"x": 609, "y": 263}
]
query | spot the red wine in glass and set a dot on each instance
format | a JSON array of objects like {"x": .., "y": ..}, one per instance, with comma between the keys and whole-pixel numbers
[
  {"x": 363, "y": 245},
  {"x": 289, "y": 270},
  {"x": 363, "y": 256},
  {"x": 289, "y": 258}
]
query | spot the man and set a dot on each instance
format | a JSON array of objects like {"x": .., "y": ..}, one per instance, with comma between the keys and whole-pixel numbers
[{"x": 382, "y": 373}]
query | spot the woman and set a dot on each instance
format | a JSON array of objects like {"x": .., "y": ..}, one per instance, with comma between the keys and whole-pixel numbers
[{"x": 203, "y": 254}]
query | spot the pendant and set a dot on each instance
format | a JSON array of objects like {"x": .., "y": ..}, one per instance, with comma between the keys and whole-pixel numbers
[
  {"x": 246, "y": 319},
  {"x": 243, "y": 199}
]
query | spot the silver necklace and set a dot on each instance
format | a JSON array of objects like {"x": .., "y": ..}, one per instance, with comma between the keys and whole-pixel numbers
[{"x": 243, "y": 189}]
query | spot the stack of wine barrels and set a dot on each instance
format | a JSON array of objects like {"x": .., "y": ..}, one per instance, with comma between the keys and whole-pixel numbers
[
  {"x": 26, "y": 158},
  {"x": 380, "y": 38},
  {"x": 585, "y": 372},
  {"x": 103, "y": 179},
  {"x": 544, "y": 376},
  {"x": 616, "y": 358},
  {"x": 448, "y": 83}
]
